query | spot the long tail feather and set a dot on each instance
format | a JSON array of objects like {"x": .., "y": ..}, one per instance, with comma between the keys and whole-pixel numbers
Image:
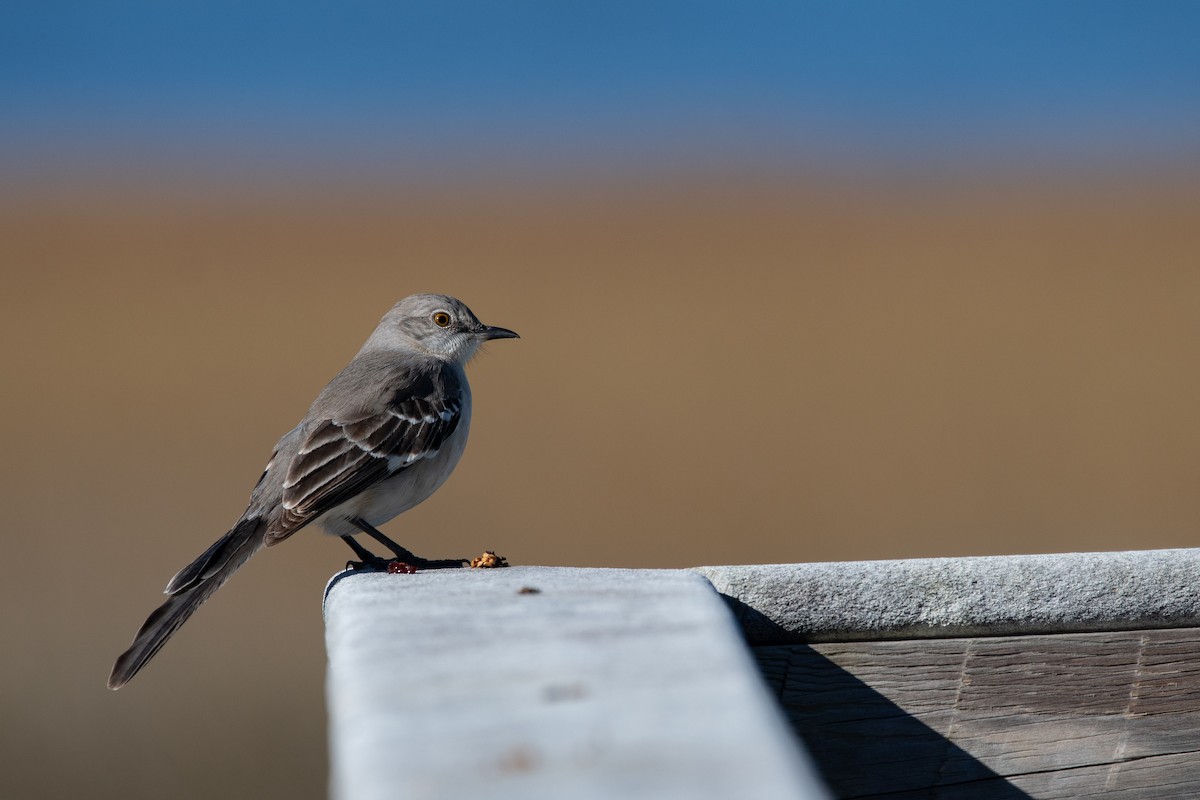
[
  {"x": 193, "y": 585},
  {"x": 207, "y": 563}
]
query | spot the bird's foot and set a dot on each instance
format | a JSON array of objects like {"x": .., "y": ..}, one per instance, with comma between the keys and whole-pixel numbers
[
  {"x": 403, "y": 561},
  {"x": 436, "y": 563},
  {"x": 370, "y": 563},
  {"x": 396, "y": 566}
]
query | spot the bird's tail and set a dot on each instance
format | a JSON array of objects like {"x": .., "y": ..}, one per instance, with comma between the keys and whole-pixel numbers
[{"x": 194, "y": 584}]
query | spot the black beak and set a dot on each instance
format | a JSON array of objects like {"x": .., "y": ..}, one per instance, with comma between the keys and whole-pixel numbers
[{"x": 493, "y": 332}]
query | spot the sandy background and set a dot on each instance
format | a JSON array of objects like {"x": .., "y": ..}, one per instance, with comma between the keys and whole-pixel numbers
[{"x": 712, "y": 372}]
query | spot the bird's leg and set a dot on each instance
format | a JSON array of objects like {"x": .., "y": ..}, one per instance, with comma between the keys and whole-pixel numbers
[
  {"x": 367, "y": 558},
  {"x": 403, "y": 553}
]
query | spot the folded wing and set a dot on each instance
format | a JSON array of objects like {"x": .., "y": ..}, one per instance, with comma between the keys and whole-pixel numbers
[{"x": 348, "y": 453}]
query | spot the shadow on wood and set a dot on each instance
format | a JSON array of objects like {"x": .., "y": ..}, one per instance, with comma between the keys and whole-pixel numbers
[
  {"x": 863, "y": 743},
  {"x": 1115, "y": 713}
]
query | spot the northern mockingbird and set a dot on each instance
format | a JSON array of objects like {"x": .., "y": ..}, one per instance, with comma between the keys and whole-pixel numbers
[{"x": 380, "y": 438}]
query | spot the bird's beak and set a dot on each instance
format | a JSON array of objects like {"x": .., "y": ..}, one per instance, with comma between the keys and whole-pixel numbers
[{"x": 493, "y": 332}]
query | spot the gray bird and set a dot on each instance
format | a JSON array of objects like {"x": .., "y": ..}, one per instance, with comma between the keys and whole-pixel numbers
[{"x": 381, "y": 437}]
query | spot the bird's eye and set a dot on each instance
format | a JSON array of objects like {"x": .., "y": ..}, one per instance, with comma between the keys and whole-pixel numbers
[{"x": 441, "y": 319}]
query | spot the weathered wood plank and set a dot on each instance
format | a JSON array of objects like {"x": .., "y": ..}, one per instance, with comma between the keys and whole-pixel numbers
[
  {"x": 540, "y": 682},
  {"x": 1173, "y": 776},
  {"x": 1112, "y": 713},
  {"x": 1147, "y": 779}
]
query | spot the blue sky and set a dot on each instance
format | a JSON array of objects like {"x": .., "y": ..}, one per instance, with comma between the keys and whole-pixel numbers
[{"x": 406, "y": 84}]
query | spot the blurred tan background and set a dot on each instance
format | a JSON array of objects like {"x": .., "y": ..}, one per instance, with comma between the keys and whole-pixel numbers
[
  {"x": 796, "y": 282},
  {"x": 714, "y": 370}
]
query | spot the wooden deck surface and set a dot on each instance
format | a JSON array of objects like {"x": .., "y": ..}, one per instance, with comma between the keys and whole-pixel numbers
[{"x": 1112, "y": 714}]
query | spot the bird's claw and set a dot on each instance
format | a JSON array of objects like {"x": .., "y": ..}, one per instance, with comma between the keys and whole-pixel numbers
[{"x": 397, "y": 566}]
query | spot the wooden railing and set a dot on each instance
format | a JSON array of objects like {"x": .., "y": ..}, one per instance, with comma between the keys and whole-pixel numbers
[{"x": 1008, "y": 677}]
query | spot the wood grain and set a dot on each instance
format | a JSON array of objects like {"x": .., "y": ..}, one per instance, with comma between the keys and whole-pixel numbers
[{"x": 1112, "y": 714}]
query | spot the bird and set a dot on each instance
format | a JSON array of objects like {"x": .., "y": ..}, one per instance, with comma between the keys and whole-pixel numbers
[{"x": 380, "y": 438}]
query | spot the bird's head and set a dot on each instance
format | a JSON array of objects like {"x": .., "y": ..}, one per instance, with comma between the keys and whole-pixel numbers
[{"x": 437, "y": 325}]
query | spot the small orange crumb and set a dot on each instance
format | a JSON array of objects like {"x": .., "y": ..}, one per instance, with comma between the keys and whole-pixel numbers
[{"x": 488, "y": 560}]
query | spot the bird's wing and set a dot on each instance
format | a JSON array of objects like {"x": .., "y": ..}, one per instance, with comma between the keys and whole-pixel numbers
[{"x": 347, "y": 453}]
